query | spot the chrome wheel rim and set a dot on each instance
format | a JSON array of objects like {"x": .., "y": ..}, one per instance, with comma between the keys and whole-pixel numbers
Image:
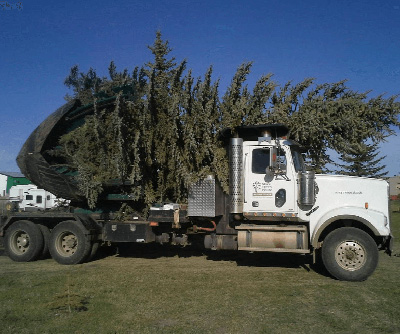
[{"x": 350, "y": 255}]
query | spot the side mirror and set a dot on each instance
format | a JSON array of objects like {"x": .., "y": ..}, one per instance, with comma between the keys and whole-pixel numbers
[{"x": 269, "y": 174}]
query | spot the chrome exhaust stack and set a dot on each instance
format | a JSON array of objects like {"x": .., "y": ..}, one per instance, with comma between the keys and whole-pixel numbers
[{"x": 236, "y": 190}]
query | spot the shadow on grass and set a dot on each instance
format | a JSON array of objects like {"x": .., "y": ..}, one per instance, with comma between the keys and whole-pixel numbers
[
  {"x": 147, "y": 251},
  {"x": 256, "y": 259}
]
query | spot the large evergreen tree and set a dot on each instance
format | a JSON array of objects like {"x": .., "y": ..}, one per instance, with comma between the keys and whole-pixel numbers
[{"x": 162, "y": 132}]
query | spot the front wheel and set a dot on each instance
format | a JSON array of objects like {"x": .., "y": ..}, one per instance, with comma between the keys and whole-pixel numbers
[
  {"x": 350, "y": 254},
  {"x": 68, "y": 243},
  {"x": 23, "y": 241}
]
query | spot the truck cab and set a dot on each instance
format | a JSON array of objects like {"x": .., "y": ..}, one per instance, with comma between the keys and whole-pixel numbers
[{"x": 279, "y": 206}]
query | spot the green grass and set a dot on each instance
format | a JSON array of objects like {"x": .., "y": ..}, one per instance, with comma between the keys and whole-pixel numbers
[{"x": 178, "y": 291}]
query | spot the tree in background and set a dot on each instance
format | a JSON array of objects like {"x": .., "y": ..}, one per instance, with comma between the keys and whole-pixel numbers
[
  {"x": 163, "y": 130},
  {"x": 361, "y": 160}
]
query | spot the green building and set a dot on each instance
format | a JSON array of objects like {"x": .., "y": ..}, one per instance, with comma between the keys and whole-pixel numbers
[{"x": 9, "y": 179}]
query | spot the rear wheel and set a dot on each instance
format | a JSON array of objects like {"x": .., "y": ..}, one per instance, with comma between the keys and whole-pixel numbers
[
  {"x": 46, "y": 239},
  {"x": 68, "y": 243},
  {"x": 23, "y": 241},
  {"x": 350, "y": 254},
  {"x": 93, "y": 251}
]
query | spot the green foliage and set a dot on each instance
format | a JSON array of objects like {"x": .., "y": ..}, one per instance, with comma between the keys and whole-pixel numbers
[
  {"x": 361, "y": 160},
  {"x": 162, "y": 131},
  {"x": 83, "y": 85}
]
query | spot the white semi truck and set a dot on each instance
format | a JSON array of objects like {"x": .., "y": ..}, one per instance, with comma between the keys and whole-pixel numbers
[{"x": 274, "y": 205}]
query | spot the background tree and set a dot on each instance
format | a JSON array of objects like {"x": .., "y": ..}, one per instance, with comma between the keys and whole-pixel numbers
[{"x": 362, "y": 160}]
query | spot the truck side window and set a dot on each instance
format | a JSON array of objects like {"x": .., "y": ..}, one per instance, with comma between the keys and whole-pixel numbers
[
  {"x": 260, "y": 160},
  {"x": 29, "y": 197},
  {"x": 38, "y": 199},
  {"x": 298, "y": 161}
]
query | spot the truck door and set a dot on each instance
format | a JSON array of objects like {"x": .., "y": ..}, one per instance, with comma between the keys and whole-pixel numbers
[{"x": 268, "y": 192}]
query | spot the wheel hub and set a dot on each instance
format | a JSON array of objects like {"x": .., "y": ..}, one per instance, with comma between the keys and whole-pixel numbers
[
  {"x": 70, "y": 241},
  {"x": 20, "y": 242},
  {"x": 23, "y": 241},
  {"x": 350, "y": 255},
  {"x": 67, "y": 244}
]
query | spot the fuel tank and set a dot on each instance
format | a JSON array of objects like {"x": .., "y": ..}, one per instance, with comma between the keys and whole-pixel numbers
[{"x": 40, "y": 165}]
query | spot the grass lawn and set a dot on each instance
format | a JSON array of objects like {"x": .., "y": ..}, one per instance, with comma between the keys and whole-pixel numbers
[{"x": 167, "y": 290}]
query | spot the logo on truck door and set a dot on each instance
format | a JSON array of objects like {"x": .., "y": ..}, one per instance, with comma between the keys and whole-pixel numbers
[{"x": 262, "y": 188}]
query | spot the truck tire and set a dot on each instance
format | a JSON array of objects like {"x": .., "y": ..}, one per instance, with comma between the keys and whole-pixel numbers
[
  {"x": 46, "y": 239},
  {"x": 350, "y": 254},
  {"x": 93, "y": 251},
  {"x": 69, "y": 244},
  {"x": 23, "y": 241}
]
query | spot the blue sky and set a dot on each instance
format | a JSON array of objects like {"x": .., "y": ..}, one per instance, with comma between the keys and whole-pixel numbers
[{"x": 328, "y": 40}]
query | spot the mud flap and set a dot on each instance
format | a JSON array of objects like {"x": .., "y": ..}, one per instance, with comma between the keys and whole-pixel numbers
[{"x": 388, "y": 245}]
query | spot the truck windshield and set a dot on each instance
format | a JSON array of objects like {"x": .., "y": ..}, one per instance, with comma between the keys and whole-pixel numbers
[{"x": 298, "y": 161}]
